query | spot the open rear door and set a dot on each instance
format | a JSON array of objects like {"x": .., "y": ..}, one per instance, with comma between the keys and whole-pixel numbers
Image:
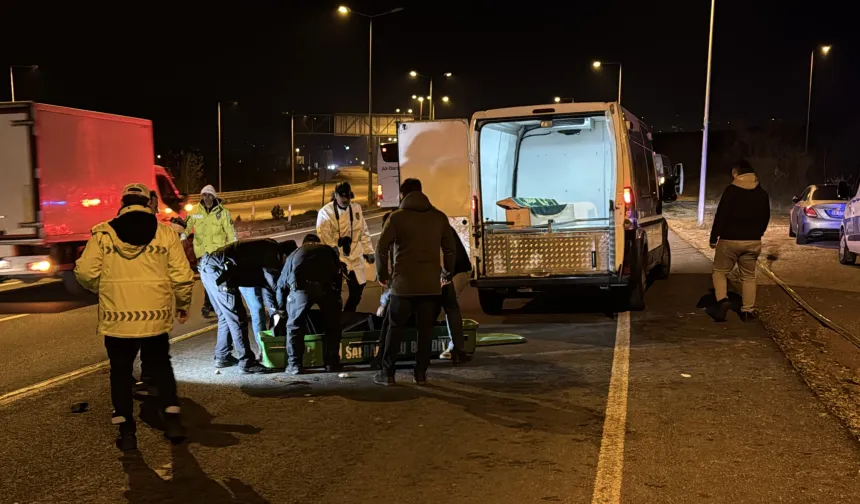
[
  {"x": 437, "y": 154},
  {"x": 18, "y": 202}
]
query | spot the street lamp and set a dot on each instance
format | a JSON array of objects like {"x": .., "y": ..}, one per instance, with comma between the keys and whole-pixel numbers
[
  {"x": 557, "y": 99},
  {"x": 396, "y": 111},
  {"x": 12, "y": 76},
  {"x": 445, "y": 99},
  {"x": 345, "y": 11},
  {"x": 413, "y": 73},
  {"x": 824, "y": 51},
  {"x": 598, "y": 64},
  {"x": 703, "y": 173},
  {"x": 409, "y": 111},
  {"x": 420, "y": 107},
  {"x": 219, "y": 143}
]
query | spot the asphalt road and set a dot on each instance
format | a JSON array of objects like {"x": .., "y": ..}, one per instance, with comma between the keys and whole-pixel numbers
[
  {"x": 307, "y": 200},
  {"x": 660, "y": 406}
]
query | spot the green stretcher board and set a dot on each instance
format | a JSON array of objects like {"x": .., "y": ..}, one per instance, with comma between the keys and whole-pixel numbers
[{"x": 359, "y": 341}]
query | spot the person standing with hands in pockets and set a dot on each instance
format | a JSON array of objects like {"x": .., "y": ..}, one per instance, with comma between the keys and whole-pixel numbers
[{"x": 341, "y": 225}]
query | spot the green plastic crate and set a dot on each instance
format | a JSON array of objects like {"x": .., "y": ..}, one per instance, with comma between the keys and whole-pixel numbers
[{"x": 359, "y": 345}]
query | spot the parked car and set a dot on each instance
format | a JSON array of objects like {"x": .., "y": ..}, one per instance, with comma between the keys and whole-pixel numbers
[
  {"x": 817, "y": 213},
  {"x": 849, "y": 232}
]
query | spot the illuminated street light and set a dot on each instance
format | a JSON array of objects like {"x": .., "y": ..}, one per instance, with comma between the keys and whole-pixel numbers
[
  {"x": 421, "y": 98},
  {"x": 343, "y": 10},
  {"x": 598, "y": 64},
  {"x": 825, "y": 49},
  {"x": 557, "y": 99},
  {"x": 297, "y": 149},
  {"x": 445, "y": 99},
  {"x": 346, "y": 147},
  {"x": 409, "y": 111},
  {"x": 158, "y": 156},
  {"x": 414, "y": 97},
  {"x": 397, "y": 111},
  {"x": 447, "y": 74},
  {"x": 413, "y": 73}
]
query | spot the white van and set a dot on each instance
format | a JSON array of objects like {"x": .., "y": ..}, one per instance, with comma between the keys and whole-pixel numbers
[
  {"x": 388, "y": 180},
  {"x": 558, "y": 197}
]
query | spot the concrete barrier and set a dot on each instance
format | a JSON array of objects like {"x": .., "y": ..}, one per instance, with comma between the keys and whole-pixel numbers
[{"x": 258, "y": 194}]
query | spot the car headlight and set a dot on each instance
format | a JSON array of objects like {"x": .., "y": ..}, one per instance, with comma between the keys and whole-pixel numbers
[{"x": 4, "y": 264}]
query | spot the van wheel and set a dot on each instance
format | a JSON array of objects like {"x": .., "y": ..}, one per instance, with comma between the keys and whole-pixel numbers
[
  {"x": 638, "y": 280},
  {"x": 845, "y": 255},
  {"x": 491, "y": 301},
  {"x": 71, "y": 284},
  {"x": 662, "y": 270}
]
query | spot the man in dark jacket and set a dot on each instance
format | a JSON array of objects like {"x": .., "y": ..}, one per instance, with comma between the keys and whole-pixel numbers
[
  {"x": 411, "y": 239},
  {"x": 741, "y": 220},
  {"x": 251, "y": 263},
  {"x": 311, "y": 276}
]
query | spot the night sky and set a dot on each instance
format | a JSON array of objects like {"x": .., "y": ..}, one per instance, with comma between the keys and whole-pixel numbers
[{"x": 172, "y": 65}]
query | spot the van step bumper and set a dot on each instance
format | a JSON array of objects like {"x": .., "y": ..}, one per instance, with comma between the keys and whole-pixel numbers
[{"x": 540, "y": 284}]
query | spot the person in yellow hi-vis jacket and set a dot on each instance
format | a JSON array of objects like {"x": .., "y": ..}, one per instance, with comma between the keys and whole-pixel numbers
[
  {"x": 212, "y": 227},
  {"x": 139, "y": 270}
]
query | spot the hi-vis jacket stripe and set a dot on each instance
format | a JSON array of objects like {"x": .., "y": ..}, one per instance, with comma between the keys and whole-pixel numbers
[{"x": 135, "y": 316}]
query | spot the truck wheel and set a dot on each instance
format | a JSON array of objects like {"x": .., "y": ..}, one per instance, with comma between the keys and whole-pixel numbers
[
  {"x": 845, "y": 255},
  {"x": 71, "y": 283},
  {"x": 662, "y": 270},
  {"x": 491, "y": 301}
]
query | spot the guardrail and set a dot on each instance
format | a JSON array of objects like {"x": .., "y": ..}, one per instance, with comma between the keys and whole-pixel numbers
[{"x": 257, "y": 194}]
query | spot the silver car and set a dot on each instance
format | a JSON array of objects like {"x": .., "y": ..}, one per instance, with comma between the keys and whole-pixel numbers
[{"x": 817, "y": 213}]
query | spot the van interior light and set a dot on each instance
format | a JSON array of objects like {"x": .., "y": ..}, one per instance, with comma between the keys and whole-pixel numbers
[
  {"x": 546, "y": 123},
  {"x": 90, "y": 202},
  {"x": 39, "y": 266}
]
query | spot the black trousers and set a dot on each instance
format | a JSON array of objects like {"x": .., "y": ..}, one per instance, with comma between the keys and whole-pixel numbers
[
  {"x": 155, "y": 356},
  {"x": 400, "y": 309},
  {"x": 355, "y": 291},
  {"x": 453, "y": 317},
  {"x": 299, "y": 304}
]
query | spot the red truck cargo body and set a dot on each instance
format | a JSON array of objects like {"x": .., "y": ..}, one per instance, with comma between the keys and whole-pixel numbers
[{"x": 84, "y": 160}]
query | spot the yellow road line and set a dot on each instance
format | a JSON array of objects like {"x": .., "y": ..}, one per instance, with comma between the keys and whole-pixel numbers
[
  {"x": 13, "y": 317},
  {"x": 610, "y": 463},
  {"x": 34, "y": 389}
]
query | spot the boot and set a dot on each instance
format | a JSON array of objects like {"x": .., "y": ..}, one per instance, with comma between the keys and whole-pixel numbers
[
  {"x": 174, "y": 431},
  {"x": 719, "y": 310},
  {"x": 127, "y": 439}
]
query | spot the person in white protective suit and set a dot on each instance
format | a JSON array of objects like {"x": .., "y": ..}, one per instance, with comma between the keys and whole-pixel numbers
[{"x": 341, "y": 225}]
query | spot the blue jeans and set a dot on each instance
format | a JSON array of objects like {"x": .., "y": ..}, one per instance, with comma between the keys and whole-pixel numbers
[
  {"x": 232, "y": 317},
  {"x": 258, "y": 300}
]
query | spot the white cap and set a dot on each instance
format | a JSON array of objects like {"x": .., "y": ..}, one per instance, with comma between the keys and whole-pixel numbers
[{"x": 208, "y": 190}]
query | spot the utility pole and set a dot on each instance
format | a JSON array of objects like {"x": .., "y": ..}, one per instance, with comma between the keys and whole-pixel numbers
[
  {"x": 293, "y": 146},
  {"x": 12, "y": 82},
  {"x": 370, "y": 117},
  {"x": 704, "y": 172},
  {"x": 219, "y": 146}
]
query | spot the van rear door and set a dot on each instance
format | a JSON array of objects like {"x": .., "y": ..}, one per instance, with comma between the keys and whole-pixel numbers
[
  {"x": 437, "y": 154},
  {"x": 18, "y": 201}
]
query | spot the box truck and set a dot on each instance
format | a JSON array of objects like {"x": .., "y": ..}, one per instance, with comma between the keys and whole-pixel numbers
[{"x": 62, "y": 172}]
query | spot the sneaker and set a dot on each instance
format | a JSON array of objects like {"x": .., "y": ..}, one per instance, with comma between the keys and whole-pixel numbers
[
  {"x": 254, "y": 368},
  {"x": 230, "y": 361},
  {"x": 127, "y": 439},
  {"x": 420, "y": 377},
  {"x": 747, "y": 316},
  {"x": 293, "y": 369},
  {"x": 446, "y": 355},
  {"x": 382, "y": 378},
  {"x": 174, "y": 431},
  {"x": 719, "y": 310}
]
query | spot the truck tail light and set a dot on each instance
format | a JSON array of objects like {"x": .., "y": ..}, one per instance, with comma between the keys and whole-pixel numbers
[
  {"x": 379, "y": 195},
  {"x": 40, "y": 266},
  {"x": 810, "y": 212},
  {"x": 91, "y": 202}
]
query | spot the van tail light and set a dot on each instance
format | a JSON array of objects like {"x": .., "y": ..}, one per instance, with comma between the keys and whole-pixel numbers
[
  {"x": 628, "y": 196},
  {"x": 810, "y": 212},
  {"x": 379, "y": 195},
  {"x": 475, "y": 210}
]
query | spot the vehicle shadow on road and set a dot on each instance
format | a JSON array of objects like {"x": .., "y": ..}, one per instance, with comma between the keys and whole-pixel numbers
[
  {"x": 184, "y": 480},
  {"x": 47, "y": 298}
]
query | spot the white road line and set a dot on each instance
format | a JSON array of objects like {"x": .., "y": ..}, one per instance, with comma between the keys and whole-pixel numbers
[
  {"x": 610, "y": 464},
  {"x": 15, "y": 395},
  {"x": 13, "y": 317}
]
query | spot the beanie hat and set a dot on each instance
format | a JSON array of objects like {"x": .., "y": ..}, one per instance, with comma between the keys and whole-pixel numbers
[{"x": 208, "y": 190}]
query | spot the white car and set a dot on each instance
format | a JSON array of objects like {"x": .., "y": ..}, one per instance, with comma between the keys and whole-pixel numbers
[{"x": 849, "y": 232}]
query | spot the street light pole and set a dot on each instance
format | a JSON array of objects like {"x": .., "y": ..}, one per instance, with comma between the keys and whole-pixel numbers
[
  {"x": 430, "y": 97},
  {"x": 219, "y": 146},
  {"x": 704, "y": 171},
  {"x": 809, "y": 100},
  {"x": 620, "y": 67},
  {"x": 12, "y": 82},
  {"x": 293, "y": 146},
  {"x": 370, "y": 115}
]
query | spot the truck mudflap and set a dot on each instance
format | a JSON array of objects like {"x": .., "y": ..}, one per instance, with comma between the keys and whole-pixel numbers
[{"x": 569, "y": 253}]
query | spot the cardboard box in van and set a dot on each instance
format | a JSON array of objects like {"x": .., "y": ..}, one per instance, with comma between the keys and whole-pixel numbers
[{"x": 526, "y": 212}]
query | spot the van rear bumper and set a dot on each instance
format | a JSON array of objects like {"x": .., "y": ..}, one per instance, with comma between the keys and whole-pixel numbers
[{"x": 549, "y": 284}]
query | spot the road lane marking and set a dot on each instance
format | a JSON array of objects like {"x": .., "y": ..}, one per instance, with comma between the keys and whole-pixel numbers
[
  {"x": 610, "y": 464},
  {"x": 34, "y": 389},
  {"x": 13, "y": 317}
]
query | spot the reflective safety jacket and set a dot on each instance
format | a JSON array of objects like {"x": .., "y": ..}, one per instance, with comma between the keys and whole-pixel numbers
[
  {"x": 139, "y": 271},
  {"x": 212, "y": 229}
]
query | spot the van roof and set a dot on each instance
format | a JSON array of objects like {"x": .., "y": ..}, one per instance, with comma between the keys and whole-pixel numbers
[{"x": 538, "y": 110}]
